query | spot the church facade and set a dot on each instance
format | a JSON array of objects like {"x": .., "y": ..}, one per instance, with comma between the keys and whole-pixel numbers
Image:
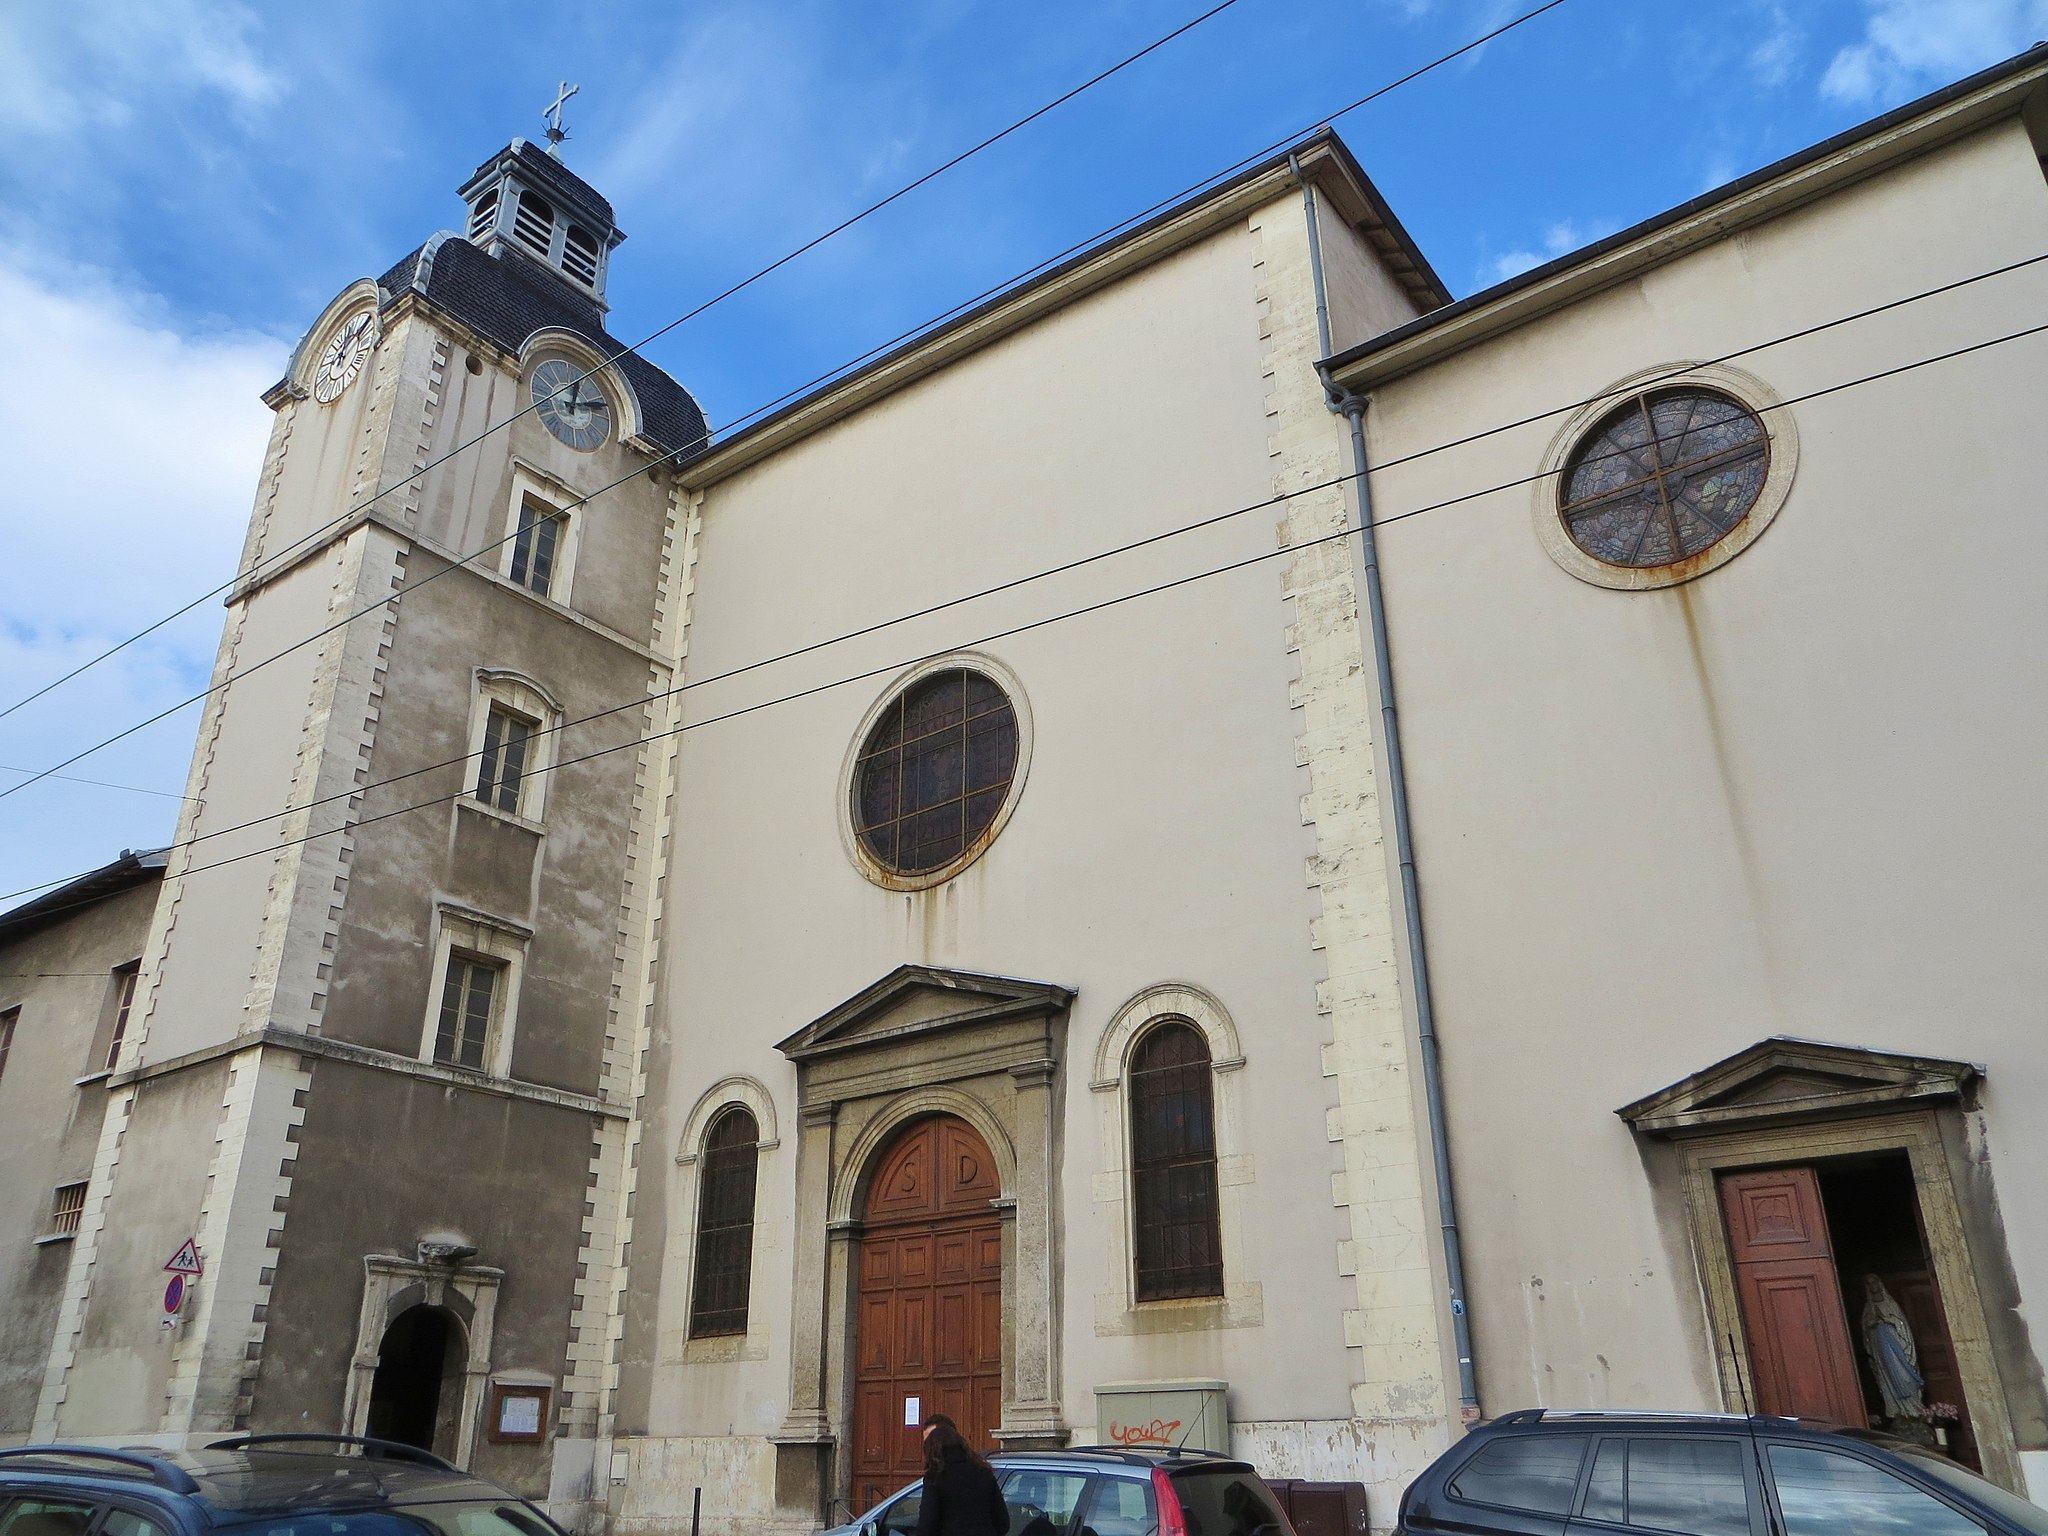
[{"x": 919, "y": 905}]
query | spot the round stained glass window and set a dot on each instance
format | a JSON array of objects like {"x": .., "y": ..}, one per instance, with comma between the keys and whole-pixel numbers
[
  {"x": 934, "y": 772},
  {"x": 1664, "y": 477}
]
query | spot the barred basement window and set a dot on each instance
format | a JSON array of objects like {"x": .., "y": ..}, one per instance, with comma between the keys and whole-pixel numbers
[
  {"x": 725, "y": 1225},
  {"x": 533, "y": 221},
  {"x": 468, "y": 1001},
  {"x": 501, "y": 767},
  {"x": 67, "y": 1205},
  {"x": 579, "y": 255},
  {"x": 1173, "y": 1165},
  {"x": 534, "y": 543},
  {"x": 125, "y": 977}
]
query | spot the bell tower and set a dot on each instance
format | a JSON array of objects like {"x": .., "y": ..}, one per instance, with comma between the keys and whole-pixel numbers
[
  {"x": 395, "y": 996},
  {"x": 525, "y": 205}
]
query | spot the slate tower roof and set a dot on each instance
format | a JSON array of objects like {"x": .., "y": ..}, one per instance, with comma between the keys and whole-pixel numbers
[{"x": 507, "y": 299}]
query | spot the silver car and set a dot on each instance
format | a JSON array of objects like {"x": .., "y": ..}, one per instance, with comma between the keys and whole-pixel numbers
[{"x": 1108, "y": 1491}]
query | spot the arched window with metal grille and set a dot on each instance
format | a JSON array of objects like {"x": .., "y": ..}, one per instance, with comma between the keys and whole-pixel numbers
[
  {"x": 725, "y": 1224},
  {"x": 1177, "y": 1236}
]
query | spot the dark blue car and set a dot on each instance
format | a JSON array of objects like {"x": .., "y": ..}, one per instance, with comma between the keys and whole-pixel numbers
[
  {"x": 1542, "y": 1472},
  {"x": 254, "y": 1485}
]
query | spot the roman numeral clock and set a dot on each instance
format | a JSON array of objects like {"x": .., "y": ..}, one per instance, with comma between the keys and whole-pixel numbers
[{"x": 345, "y": 356}]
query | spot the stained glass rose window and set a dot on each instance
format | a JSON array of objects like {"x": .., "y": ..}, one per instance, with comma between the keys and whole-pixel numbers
[
  {"x": 1663, "y": 477},
  {"x": 934, "y": 772}
]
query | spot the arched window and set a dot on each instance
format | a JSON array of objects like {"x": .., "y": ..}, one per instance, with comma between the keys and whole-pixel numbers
[
  {"x": 533, "y": 221},
  {"x": 1179, "y": 1242},
  {"x": 725, "y": 1224},
  {"x": 579, "y": 255}
]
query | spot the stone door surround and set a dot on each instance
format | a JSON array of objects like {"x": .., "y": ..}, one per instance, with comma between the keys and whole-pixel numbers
[
  {"x": 921, "y": 1041},
  {"x": 1786, "y": 1101},
  {"x": 391, "y": 1285}
]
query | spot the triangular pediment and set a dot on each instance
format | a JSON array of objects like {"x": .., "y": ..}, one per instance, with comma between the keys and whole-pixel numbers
[
  {"x": 1783, "y": 1079},
  {"x": 920, "y": 999}
]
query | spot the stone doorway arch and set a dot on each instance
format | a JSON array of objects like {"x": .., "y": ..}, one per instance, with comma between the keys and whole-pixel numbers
[
  {"x": 467, "y": 1293},
  {"x": 416, "y": 1388}
]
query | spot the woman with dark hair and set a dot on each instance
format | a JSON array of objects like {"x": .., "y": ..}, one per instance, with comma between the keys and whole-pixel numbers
[{"x": 960, "y": 1493}]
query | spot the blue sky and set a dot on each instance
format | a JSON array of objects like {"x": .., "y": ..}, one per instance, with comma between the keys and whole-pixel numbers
[{"x": 188, "y": 184}]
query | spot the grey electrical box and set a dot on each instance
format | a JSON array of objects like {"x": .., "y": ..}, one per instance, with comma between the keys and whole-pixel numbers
[{"x": 1192, "y": 1414}]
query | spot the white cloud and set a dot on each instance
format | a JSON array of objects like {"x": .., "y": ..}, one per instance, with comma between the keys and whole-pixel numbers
[
  {"x": 66, "y": 70},
  {"x": 1778, "y": 48},
  {"x": 127, "y": 493},
  {"x": 1563, "y": 236},
  {"x": 1911, "y": 44}
]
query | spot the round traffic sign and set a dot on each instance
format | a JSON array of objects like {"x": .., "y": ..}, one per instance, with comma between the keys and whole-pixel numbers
[{"x": 174, "y": 1294}]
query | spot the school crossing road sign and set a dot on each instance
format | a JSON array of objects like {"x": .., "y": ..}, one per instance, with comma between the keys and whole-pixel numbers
[{"x": 186, "y": 1260}]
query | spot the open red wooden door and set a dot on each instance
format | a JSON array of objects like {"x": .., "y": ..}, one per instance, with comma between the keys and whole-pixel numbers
[{"x": 1791, "y": 1297}]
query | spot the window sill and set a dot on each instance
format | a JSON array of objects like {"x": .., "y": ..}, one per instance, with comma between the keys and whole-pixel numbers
[
  {"x": 56, "y": 1237},
  {"x": 724, "y": 1348},
  {"x": 90, "y": 1078},
  {"x": 471, "y": 803}
]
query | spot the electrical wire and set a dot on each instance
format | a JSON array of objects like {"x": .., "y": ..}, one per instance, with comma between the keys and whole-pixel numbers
[
  {"x": 1349, "y": 529},
  {"x": 133, "y": 789},
  {"x": 1353, "y": 106},
  {"x": 643, "y": 700},
  {"x": 652, "y": 336}
]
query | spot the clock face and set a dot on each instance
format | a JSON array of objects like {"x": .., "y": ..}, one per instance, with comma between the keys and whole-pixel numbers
[
  {"x": 570, "y": 405},
  {"x": 345, "y": 356}
]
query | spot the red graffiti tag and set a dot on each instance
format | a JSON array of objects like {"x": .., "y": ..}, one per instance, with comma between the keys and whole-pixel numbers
[{"x": 1158, "y": 1432}]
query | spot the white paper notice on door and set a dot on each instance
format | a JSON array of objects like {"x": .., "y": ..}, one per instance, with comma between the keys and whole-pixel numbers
[{"x": 912, "y": 1412}]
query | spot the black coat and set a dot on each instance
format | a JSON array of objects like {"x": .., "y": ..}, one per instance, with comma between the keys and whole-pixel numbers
[{"x": 962, "y": 1500}]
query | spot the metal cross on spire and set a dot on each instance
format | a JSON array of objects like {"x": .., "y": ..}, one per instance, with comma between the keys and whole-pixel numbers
[{"x": 553, "y": 118}]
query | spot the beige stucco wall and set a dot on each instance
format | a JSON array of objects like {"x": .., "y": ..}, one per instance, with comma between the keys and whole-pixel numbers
[
  {"x": 1798, "y": 795},
  {"x": 1159, "y": 836},
  {"x": 53, "y": 1096}
]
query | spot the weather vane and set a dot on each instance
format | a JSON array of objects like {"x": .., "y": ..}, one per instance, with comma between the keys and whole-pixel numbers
[{"x": 553, "y": 118}]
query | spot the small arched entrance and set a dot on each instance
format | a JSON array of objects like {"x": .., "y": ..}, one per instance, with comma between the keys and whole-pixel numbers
[
  {"x": 928, "y": 1331},
  {"x": 416, "y": 1394}
]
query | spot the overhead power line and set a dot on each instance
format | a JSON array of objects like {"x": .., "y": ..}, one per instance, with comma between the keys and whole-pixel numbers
[
  {"x": 133, "y": 789},
  {"x": 1348, "y": 530},
  {"x": 642, "y": 700},
  {"x": 718, "y": 298},
  {"x": 1195, "y": 187}
]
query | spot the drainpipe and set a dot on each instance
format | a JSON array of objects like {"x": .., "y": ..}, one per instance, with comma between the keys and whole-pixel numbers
[{"x": 1352, "y": 406}]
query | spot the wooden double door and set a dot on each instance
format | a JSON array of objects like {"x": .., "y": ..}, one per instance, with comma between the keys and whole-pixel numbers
[{"x": 928, "y": 1332}]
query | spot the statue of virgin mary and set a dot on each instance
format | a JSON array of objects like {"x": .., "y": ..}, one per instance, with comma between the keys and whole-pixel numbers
[{"x": 1894, "y": 1358}]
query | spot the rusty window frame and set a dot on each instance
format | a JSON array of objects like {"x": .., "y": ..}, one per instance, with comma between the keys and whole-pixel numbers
[
  {"x": 1177, "y": 1238},
  {"x": 1657, "y": 471},
  {"x": 726, "y": 1180},
  {"x": 926, "y": 790}
]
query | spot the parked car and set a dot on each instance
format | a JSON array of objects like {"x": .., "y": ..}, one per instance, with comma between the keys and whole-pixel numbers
[
  {"x": 255, "y": 1485},
  {"x": 1107, "y": 1491},
  {"x": 1541, "y": 1472}
]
